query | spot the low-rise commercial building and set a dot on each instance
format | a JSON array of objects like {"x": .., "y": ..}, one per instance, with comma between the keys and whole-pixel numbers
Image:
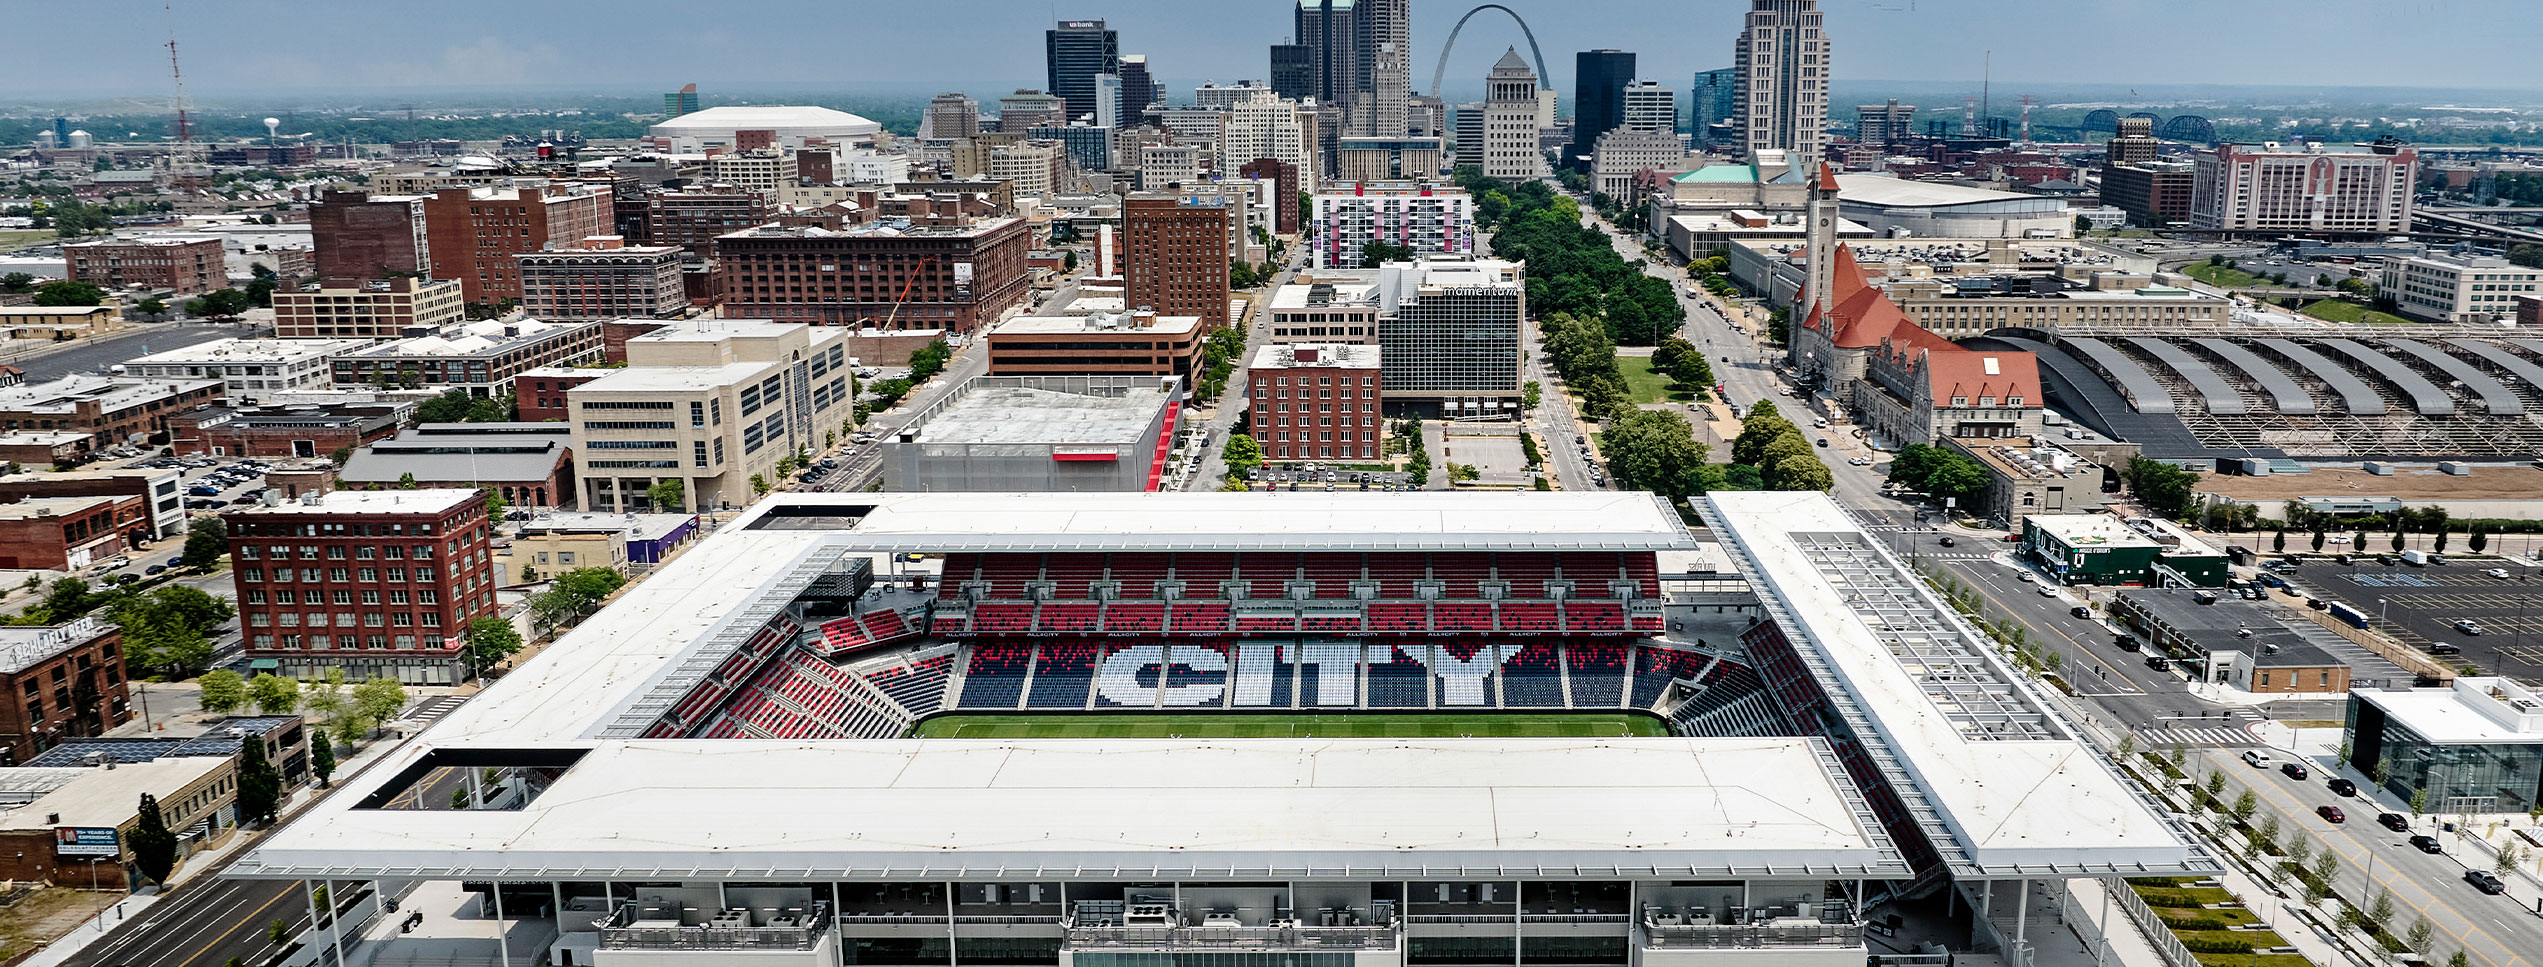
[
  {"x": 78, "y": 832},
  {"x": 159, "y": 489},
  {"x": 479, "y": 357},
  {"x": 68, "y": 533},
  {"x": 379, "y": 309},
  {"x": 1316, "y": 401},
  {"x": 44, "y": 448},
  {"x": 59, "y": 682},
  {"x": 61, "y": 323},
  {"x": 299, "y": 430},
  {"x": 1895, "y": 206},
  {"x": 2028, "y": 475},
  {"x": 1105, "y": 343},
  {"x": 381, "y": 584},
  {"x": 111, "y": 409},
  {"x": 1326, "y": 307},
  {"x": 2452, "y": 287},
  {"x": 603, "y": 278},
  {"x": 539, "y": 394},
  {"x": 2229, "y": 640},
  {"x": 251, "y": 370},
  {"x": 1039, "y": 434},
  {"x": 2099, "y": 549},
  {"x": 550, "y": 544},
  {"x": 711, "y": 404},
  {"x": 186, "y": 265},
  {"x": 2472, "y": 746},
  {"x": 1424, "y": 218},
  {"x": 529, "y": 464}
]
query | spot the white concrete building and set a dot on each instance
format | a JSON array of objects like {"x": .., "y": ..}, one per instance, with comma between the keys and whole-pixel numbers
[
  {"x": 794, "y": 127},
  {"x": 1429, "y": 219},
  {"x": 1650, "y": 107},
  {"x": 764, "y": 171},
  {"x": 1275, "y": 128},
  {"x": 711, "y": 403},
  {"x": 2448, "y": 287},
  {"x": 251, "y": 370},
  {"x": 2305, "y": 187},
  {"x": 1782, "y": 97},
  {"x": 1513, "y": 114},
  {"x": 1621, "y": 154}
]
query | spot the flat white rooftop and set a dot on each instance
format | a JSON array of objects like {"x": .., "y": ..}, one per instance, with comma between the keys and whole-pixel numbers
[
  {"x": 2090, "y": 530},
  {"x": 252, "y": 351},
  {"x": 1515, "y": 521},
  {"x": 1161, "y": 807},
  {"x": 431, "y": 500},
  {"x": 2010, "y": 785}
]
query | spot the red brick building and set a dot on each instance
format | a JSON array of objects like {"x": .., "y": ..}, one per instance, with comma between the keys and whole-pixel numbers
[
  {"x": 1316, "y": 401},
  {"x": 294, "y": 431},
  {"x": 541, "y": 392},
  {"x": 1285, "y": 195},
  {"x": 692, "y": 217},
  {"x": 63, "y": 533},
  {"x": 110, "y": 409},
  {"x": 187, "y": 265},
  {"x": 360, "y": 237},
  {"x": 378, "y": 583},
  {"x": 60, "y": 682},
  {"x": 957, "y": 277},
  {"x": 475, "y": 232},
  {"x": 1175, "y": 258}
]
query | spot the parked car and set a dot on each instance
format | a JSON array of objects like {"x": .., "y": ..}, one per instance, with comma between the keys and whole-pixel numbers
[
  {"x": 2482, "y": 880},
  {"x": 2080, "y": 611},
  {"x": 2468, "y": 626},
  {"x": 2444, "y": 648},
  {"x": 2394, "y": 821},
  {"x": 2048, "y": 590},
  {"x": 2427, "y": 844},
  {"x": 2295, "y": 770},
  {"x": 2343, "y": 787},
  {"x": 155, "y": 569},
  {"x": 2497, "y": 572},
  {"x": 2331, "y": 813},
  {"x": 116, "y": 564}
]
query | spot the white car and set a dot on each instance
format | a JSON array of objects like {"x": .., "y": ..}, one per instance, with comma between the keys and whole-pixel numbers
[{"x": 2497, "y": 572}]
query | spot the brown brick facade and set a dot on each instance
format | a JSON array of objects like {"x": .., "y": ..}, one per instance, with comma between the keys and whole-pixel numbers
[
  {"x": 383, "y": 587},
  {"x": 1176, "y": 258}
]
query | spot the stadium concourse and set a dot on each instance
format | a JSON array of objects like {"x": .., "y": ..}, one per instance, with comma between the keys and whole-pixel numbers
[{"x": 720, "y": 764}]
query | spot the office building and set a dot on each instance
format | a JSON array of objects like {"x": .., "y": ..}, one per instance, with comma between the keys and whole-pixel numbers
[
  {"x": 1162, "y": 165},
  {"x": 1139, "y": 89},
  {"x": 1175, "y": 256},
  {"x": 1385, "y": 37},
  {"x": 679, "y": 102},
  {"x": 1316, "y": 401},
  {"x": 1133, "y": 342},
  {"x": 157, "y": 489},
  {"x": 530, "y": 464},
  {"x": 2135, "y": 144},
  {"x": 553, "y": 543},
  {"x": 1329, "y": 31},
  {"x": 767, "y": 171},
  {"x": 1622, "y": 156},
  {"x": 1214, "y": 96},
  {"x": 1028, "y": 108},
  {"x": 2105, "y": 550},
  {"x": 1426, "y": 218},
  {"x": 1292, "y": 71},
  {"x": 1039, "y": 434},
  {"x": 1326, "y": 306},
  {"x": 952, "y": 116},
  {"x": 1648, "y": 107},
  {"x": 1450, "y": 331},
  {"x": 2304, "y": 187},
  {"x": 1782, "y": 63},
  {"x": 776, "y": 127},
  {"x": 1284, "y": 178},
  {"x": 251, "y": 370},
  {"x": 1089, "y": 147},
  {"x": 479, "y": 357},
  {"x": 1877, "y": 125},
  {"x": 379, "y": 584},
  {"x": 603, "y": 278},
  {"x": 957, "y": 276},
  {"x": 1511, "y": 120},
  {"x": 2474, "y": 745},
  {"x": 539, "y": 394},
  {"x": 356, "y": 236},
  {"x": 1713, "y": 105},
  {"x": 375, "y": 309},
  {"x": 297, "y": 430},
  {"x": 475, "y": 232},
  {"x": 2155, "y": 194},
  {"x": 111, "y": 410},
  {"x": 1074, "y": 53},
  {"x": 1389, "y": 159},
  {"x": 1599, "y": 79},
  {"x": 1252, "y": 130},
  {"x": 710, "y": 403},
  {"x": 692, "y": 216},
  {"x": 183, "y": 265},
  {"x": 2458, "y": 287},
  {"x": 60, "y": 682},
  {"x": 1030, "y": 169},
  {"x": 1107, "y": 113}
]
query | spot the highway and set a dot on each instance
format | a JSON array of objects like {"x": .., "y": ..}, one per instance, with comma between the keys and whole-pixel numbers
[{"x": 206, "y": 923}]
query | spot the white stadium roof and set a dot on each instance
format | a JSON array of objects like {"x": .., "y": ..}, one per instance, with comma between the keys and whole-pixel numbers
[
  {"x": 787, "y": 121},
  {"x": 1419, "y": 521}
]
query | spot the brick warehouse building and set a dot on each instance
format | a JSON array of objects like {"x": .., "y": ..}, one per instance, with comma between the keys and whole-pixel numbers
[
  {"x": 310, "y": 430},
  {"x": 953, "y": 277},
  {"x": 111, "y": 409},
  {"x": 378, "y": 583},
  {"x": 1176, "y": 258},
  {"x": 359, "y": 236},
  {"x": 57, "y": 683},
  {"x": 187, "y": 265},
  {"x": 475, "y": 232},
  {"x": 603, "y": 278},
  {"x": 65, "y": 533}
]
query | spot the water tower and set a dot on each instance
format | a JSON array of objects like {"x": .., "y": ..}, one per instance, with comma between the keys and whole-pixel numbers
[{"x": 272, "y": 126}]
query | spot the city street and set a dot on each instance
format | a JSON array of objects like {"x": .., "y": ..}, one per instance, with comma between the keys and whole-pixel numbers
[{"x": 143, "y": 339}]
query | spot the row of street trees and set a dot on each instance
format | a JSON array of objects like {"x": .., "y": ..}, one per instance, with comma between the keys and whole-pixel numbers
[{"x": 1573, "y": 268}]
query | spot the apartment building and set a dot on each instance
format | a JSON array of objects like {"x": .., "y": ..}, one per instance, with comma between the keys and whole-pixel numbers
[
  {"x": 479, "y": 357},
  {"x": 377, "y": 309},
  {"x": 60, "y": 682},
  {"x": 1426, "y": 218},
  {"x": 765, "y": 171},
  {"x": 110, "y": 409},
  {"x": 2304, "y": 187},
  {"x": 188, "y": 265},
  {"x": 67, "y": 533},
  {"x": 888, "y": 274},
  {"x": 475, "y": 232},
  {"x": 2155, "y": 194},
  {"x": 380, "y": 584},
  {"x": 690, "y": 217},
  {"x": 711, "y": 403},
  {"x": 1175, "y": 255},
  {"x": 1449, "y": 328},
  {"x": 359, "y": 236},
  {"x": 1316, "y": 401},
  {"x": 603, "y": 278},
  {"x": 157, "y": 488},
  {"x": 1133, "y": 343}
]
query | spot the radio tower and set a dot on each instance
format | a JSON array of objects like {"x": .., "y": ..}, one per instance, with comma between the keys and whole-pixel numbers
[{"x": 181, "y": 159}]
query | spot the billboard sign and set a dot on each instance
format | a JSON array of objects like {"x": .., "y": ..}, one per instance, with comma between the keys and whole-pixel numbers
[{"x": 86, "y": 841}]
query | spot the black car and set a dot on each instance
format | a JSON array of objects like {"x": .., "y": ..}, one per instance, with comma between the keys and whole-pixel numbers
[
  {"x": 2343, "y": 787},
  {"x": 2482, "y": 880},
  {"x": 2345, "y": 560},
  {"x": 2387, "y": 560},
  {"x": 2080, "y": 611},
  {"x": 155, "y": 569},
  {"x": 1947, "y": 541},
  {"x": 2394, "y": 821},
  {"x": 2294, "y": 770},
  {"x": 2426, "y": 844}
]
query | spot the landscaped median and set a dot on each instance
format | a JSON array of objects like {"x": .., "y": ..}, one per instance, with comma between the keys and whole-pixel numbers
[{"x": 2213, "y": 925}]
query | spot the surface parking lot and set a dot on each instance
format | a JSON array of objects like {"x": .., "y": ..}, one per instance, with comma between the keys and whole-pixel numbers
[{"x": 2420, "y": 605}]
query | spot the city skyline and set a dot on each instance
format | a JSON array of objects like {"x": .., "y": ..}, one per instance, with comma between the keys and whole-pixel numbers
[{"x": 235, "y": 51}]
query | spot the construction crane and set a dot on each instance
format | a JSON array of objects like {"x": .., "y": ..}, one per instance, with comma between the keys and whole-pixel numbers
[
  {"x": 897, "y": 301},
  {"x": 180, "y": 159}
]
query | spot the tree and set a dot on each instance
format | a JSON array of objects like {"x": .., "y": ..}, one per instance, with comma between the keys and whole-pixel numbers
[
  {"x": 69, "y": 293},
  {"x": 322, "y": 760},
  {"x": 379, "y": 699},
  {"x": 2458, "y": 959},
  {"x": 452, "y": 406},
  {"x": 2244, "y": 806},
  {"x": 2420, "y": 934},
  {"x": 1068, "y": 262},
  {"x": 2162, "y": 487},
  {"x": 1762, "y": 425},
  {"x": 2278, "y": 542},
  {"x": 1242, "y": 454},
  {"x": 590, "y": 585},
  {"x": 928, "y": 360},
  {"x": 759, "y": 485},
  {"x": 1376, "y": 254},
  {"x": 2398, "y": 540},
  {"x": 20, "y": 282},
  {"x": 2380, "y": 910},
  {"x": 491, "y": 640},
  {"x": 154, "y": 845},
  {"x": 1602, "y": 397},
  {"x": 260, "y": 292},
  {"x": 260, "y": 786},
  {"x": 222, "y": 303},
  {"x": 1655, "y": 451},
  {"x": 2357, "y": 542},
  {"x": 2506, "y": 862},
  {"x": 68, "y": 598},
  {"x": 223, "y": 691},
  {"x": 1789, "y": 446},
  {"x": 496, "y": 506},
  {"x": 274, "y": 694},
  {"x": 2215, "y": 785},
  {"x": 324, "y": 698},
  {"x": 207, "y": 544},
  {"x": 2326, "y": 868},
  {"x": 1530, "y": 394},
  {"x": 2319, "y": 538},
  {"x": 2438, "y": 542},
  {"x": 348, "y": 729},
  {"x": 152, "y": 307},
  {"x": 1804, "y": 474},
  {"x": 669, "y": 494},
  {"x": 2479, "y": 541}
]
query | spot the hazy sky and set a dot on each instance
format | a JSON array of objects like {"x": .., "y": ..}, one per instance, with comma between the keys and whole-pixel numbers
[{"x": 239, "y": 49}]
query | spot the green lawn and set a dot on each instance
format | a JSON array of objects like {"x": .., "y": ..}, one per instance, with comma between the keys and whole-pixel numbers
[
  {"x": 1243, "y": 725},
  {"x": 12, "y": 238},
  {"x": 2339, "y": 310},
  {"x": 1645, "y": 385},
  {"x": 2220, "y": 275}
]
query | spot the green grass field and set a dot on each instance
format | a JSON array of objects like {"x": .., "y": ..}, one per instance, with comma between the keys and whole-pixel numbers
[
  {"x": 1240, "y": 725},
  {"x": 1644, "y": 385},
  {"x": 2338, "y": 310},
  {"x": 2221, "y": 276}
]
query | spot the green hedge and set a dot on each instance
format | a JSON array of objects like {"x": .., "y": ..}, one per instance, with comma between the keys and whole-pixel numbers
[{"x": 2216, "y": 945}]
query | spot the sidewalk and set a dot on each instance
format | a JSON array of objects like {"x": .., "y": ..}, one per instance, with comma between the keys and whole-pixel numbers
[{"x": 94, "y": 929}]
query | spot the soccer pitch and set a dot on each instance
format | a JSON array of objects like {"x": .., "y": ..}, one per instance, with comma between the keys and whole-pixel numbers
[{"x": 1346, "y": 725}]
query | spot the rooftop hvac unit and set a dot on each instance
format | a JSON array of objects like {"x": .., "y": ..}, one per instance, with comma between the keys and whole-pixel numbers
[
  {"x": 2378, "y": 468},
  {"x": 2455, "y": 468}
]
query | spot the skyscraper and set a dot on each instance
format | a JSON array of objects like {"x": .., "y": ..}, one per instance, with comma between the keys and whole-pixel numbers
[
  {"x": 1330, "y": 32},
  {"x": 1386, "y": 52},
  {"x": 1108, "y": 100},
  {"x": 1713, "y": 99},
  {"x": 1076, "y": 51},
  {"x": 1880, "y": 124},
  {"x": 1138, "y": 88},
  {"x": 679, "y": 102},
  {"x": 1650, "y": 107},
  {"x": 1176, "y": 247},
  {"x": 953, "y": 115},
  {"x": 1599, "y": 78},
  {"x": 1782, "y": 59},
  {"x": 1511, "y": 117},
  {"x": 1292, "y": 71}
]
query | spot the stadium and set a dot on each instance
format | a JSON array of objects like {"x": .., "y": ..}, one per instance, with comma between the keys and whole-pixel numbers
[{"x": 1296, "y": 729}]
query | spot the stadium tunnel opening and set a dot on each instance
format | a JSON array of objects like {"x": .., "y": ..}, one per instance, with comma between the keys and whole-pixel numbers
[
  {"x": 461, "y": 780},
  {"x": 810, "y": 517}
]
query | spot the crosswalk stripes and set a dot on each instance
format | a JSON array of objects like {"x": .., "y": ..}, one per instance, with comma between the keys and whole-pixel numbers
[
  {"x": 431, "y": 710},
  {"x": 2207, "y": 737}
]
